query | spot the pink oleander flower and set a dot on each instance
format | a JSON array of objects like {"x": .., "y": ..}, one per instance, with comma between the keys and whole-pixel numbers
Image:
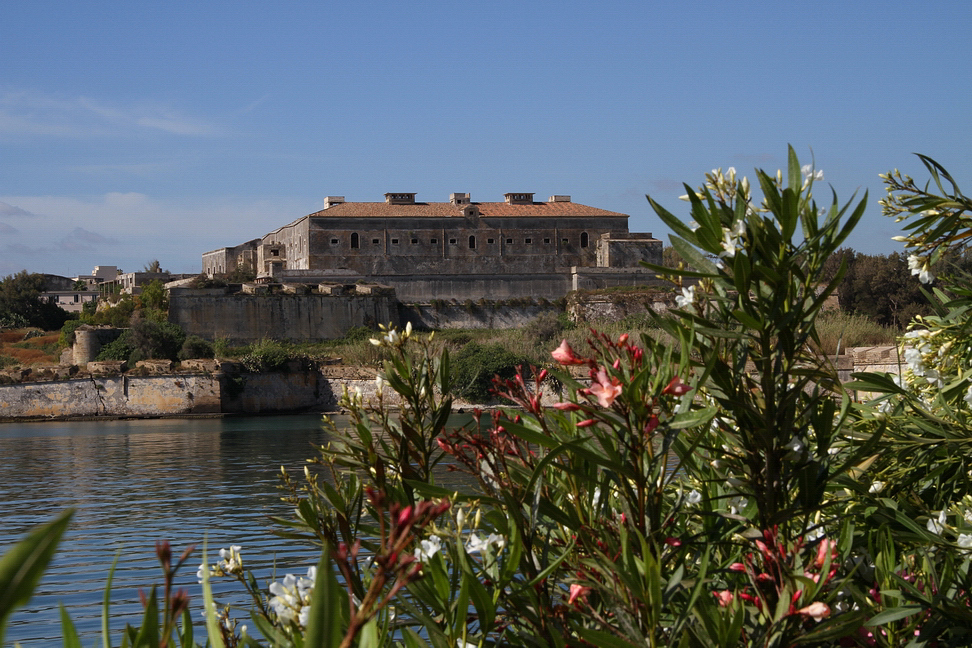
[
  {"x": 565, "y": 355},
  {"x": 606, "y": 389},
  {"x": 566, "y": 407},
  {"x": 724, "y": 597},
  {"x": 578, "y": 592},
  {"x": 818, "y": 610},
  {"x": 676, "y": 387}
]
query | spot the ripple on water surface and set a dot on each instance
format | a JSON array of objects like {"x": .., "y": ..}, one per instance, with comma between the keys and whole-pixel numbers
[{"x": 135, "y": 482}]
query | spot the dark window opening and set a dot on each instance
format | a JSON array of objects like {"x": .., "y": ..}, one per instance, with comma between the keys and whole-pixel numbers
[
  {"x": 414, "y": 241},
  {"x": 528, "y": 241},
  {"x": 490, "y": 241},
  {"x": 375, "y": 241},
  {"x": 509, "y": 241},
  {"x": 472, "y": 242},
  {"x": 394, "y": 241},
  {"x": 354, "y": 240},
  {"x": 563, "y": 241},
  {"x": 334, "y": 241},
  {"x": 546, "y": 241},
  {"x": 452, "y": 241},
  {"x": 434, "y": 241},
  {"x": 274, "y": 252},
  {"x": 584, "y": 239}
]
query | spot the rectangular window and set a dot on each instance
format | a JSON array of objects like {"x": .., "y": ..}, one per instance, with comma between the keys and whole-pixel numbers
[
  {"x": 434, "y": 241},
  {"x": 528, "y": 241},
  {"x": 334, "y": 241},
  {"x": 394, "y": 241},
  {"x": 375, "y": 241},
  {"x": 414, "y": 241},
  {"x": 546, "y": 241},
  {"x": 452, "y": 241},
  {"x": 490, "y": 241},
  {"x": 563, "y": 241},
  {"x": 509, "y": 241}
]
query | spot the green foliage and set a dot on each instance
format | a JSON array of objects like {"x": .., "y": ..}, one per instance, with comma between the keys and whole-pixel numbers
[
  {"x": 880, "y": 287},
  {"x": 66, "y": 338},
  {"x": 7, "y": 361},
  {"x": 120, "y": 348},
  {"x": 154, "y": 296},
  {"x": 268, "y": 355},
  {"x": 476, "y": 364},
  {"x": 195, "y": 347},
  {"x": 118, "y": 314},
  {"x": 152, "y": 339},
  {"x": 20, "y": 303}
]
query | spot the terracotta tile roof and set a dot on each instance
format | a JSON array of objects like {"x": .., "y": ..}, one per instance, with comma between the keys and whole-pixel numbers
[{"x": 447, "y": 210}]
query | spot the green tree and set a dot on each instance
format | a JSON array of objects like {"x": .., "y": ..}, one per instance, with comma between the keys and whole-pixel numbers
[
  {"x": 20, "y": 300},
  {"x": 154, "y": 296}
]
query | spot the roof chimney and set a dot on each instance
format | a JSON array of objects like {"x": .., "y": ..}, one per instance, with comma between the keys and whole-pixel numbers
[
  {"x": 459, "y": 198},
  {"x": 330, "y": 201},
  {"x": 519, "y": 198},
  {"x": 559, "y": 199},
  {"x": 400, "y": 198}
]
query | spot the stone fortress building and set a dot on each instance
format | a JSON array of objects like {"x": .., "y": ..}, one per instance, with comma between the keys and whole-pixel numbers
[{"x": 458, "y": 249}]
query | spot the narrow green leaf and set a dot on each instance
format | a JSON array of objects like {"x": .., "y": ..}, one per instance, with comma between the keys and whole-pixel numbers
[
  {"x": 106, "y": 603},
  {"x": 209, "y": 605},
  {"x": 326, "y": 626},
  {"x": 893, "y": 614},
  {"x": 148, "y": 632},
  {"x": 22, "y": 567},
  {"x": 69, "y": 633}
]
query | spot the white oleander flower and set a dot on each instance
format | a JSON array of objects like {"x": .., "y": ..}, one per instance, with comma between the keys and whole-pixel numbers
[
  {"x": 694, "y": 497},
  {"x": 795, "y": 445},
  {"x": 428, "y": 548},
  {"x": 687, "y": 298},
  {"x": 876, "y": 487},
  {"x": 936, "y": 526},
  {"x": 475, "y": 543},
  {"x": 965, "y": 541}
]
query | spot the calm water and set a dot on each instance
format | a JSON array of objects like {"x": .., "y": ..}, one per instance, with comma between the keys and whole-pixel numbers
[{"x": 135, "y": 482}]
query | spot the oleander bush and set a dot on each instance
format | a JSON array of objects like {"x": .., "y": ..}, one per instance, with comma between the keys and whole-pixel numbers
[{"x": 712, "y": 484}]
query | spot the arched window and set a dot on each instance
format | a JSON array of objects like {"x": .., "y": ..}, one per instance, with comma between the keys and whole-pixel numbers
[
  {"x": 472, "y": 242},
  {"x": 584, "y": 239},
  {"x": 354, "y": 241}
]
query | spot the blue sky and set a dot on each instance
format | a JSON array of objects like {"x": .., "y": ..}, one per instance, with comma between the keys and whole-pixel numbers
[{"x": 131, "y": 131}]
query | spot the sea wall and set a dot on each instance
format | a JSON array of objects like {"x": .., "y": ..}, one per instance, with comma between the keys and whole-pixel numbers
[{"x": 184, "y": 394}]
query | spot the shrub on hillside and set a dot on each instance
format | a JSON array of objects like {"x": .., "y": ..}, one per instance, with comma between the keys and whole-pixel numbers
[
  {"x": 195, "y": 347},
  {"x": 475, "y": 365}
]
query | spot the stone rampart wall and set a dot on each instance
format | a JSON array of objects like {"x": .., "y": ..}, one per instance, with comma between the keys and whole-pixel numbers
[{"x": 242, "y": 318}]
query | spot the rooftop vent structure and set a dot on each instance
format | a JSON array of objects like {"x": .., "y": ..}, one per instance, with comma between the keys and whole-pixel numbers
[
  {"x": 519, "y": 198},
  {"x": 400, "y": 198},
  {"x": 559, "y": 199},
  {"x": 330, "y": 201},
  {"x": 459, "y": 198}
]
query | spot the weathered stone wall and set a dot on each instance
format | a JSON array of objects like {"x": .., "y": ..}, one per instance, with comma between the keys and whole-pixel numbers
[
  {"x": 473, "y": 315},
  {"x": 583, "y": 307},
  {"x": 112, "y": 396},
  {"x": 244, "y": 318}
]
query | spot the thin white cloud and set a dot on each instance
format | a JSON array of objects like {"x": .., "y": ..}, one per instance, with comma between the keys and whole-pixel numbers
[
  {"x": 29, "y": 113},
  {"x": 12, "y": 210},
  {"x": 8, "y": 229}
]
